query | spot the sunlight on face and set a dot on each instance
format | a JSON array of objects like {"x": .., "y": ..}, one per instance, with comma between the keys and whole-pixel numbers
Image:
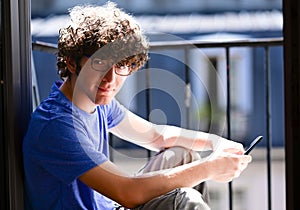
[{"x": 97, "y": 87}]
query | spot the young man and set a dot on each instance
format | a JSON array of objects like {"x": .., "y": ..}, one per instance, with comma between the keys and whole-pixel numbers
[{"x": 66, "y": 147}]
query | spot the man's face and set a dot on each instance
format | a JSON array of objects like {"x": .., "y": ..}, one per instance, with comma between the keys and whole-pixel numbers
[{"x": 95, "y": 86}]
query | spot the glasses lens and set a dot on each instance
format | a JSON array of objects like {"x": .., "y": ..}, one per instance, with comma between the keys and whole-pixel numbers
[
  {"x": 122, "y": 70},
  {"x": 99, "y": 64}
]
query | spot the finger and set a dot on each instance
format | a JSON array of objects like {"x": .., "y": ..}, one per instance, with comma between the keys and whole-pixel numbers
[
  {"x": 234, "y": 150},
  {"x": 246, "y": 158}
]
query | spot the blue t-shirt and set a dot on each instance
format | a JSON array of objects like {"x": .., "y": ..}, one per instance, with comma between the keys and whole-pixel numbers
[{"x": 62, "y": 143}]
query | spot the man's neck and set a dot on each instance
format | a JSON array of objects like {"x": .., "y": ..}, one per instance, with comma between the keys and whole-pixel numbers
[{"x": 67, "y": 88}]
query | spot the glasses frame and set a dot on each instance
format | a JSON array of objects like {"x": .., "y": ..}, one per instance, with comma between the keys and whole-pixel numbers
[{"x": 117, "y": 67}]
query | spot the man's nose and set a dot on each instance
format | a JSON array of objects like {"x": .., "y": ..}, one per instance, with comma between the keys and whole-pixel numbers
[{"x": 110, "y": 75}]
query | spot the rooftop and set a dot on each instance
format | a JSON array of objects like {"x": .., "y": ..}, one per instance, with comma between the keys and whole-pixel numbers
[{"x": 181, "y": 24}]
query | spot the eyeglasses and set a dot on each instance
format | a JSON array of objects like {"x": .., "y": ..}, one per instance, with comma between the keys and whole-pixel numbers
[{"x": 103, "y": 65}]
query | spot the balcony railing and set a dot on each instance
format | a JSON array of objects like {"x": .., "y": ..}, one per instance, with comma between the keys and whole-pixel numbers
[{"x": 266, "y": 44}]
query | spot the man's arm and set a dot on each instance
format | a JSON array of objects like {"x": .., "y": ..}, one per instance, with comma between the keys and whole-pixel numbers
[
  {"x": 133, "y": 191},
  {"x": 156, "y": 137}
]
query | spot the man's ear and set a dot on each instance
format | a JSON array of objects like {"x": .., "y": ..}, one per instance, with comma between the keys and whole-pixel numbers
[{"x": 71, "y": 65}]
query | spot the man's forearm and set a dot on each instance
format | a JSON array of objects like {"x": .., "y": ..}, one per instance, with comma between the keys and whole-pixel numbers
[{"x": 175, "y": 136}]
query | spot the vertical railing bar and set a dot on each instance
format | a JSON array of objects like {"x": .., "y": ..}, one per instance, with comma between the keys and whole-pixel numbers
[
  {"x": 148, "y": 99},
  {"x": 228, "y": 116},
  {"x": 111, "y": 147},
  {"x": 268, "y": 121},
  {"x": 187, "y": 86}
]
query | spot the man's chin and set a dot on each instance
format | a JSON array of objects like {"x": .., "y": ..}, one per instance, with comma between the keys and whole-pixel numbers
[{"x": 103, "y": 101}]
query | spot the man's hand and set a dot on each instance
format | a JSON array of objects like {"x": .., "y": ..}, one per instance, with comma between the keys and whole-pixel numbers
[
  {"x": 227, "y": 166},
  {"x": 220, "y": 145}
]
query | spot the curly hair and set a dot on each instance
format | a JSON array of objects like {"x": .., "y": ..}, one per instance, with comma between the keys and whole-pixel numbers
[{"x": 105, "y": 31}]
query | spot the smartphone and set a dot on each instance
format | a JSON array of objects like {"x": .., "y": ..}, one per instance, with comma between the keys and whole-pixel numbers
[{"x": 253, "y": 144}]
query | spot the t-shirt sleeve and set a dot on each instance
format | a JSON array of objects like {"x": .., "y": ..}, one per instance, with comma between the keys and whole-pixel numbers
[
  {"x": 115, "y": 113},
  {"x": 65, "y": 150}
]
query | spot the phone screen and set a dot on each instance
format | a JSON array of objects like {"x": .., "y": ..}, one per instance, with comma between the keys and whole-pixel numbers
[{"x": 253, "y": 144}]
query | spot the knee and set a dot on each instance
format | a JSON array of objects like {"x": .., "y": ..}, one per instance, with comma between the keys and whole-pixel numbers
[
  {"x": 183, "y": 154},
  {"x": 170, "y": 158},
  {"x": 189, "y": 198}
]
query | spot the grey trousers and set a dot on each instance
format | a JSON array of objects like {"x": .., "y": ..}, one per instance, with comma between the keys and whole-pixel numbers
[{"x": 178, "y": 199}]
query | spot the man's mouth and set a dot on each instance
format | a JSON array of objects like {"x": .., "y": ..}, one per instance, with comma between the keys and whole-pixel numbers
[{"x": 104, "y": 89}]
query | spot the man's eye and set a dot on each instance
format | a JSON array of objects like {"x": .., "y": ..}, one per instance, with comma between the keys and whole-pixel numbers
[
  {"x": 122, "y": 67},
  {"x": 98, "y": 63}
]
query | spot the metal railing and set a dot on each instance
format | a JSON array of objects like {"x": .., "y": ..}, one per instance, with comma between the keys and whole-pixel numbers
[{"x": 265, "y": 43}]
